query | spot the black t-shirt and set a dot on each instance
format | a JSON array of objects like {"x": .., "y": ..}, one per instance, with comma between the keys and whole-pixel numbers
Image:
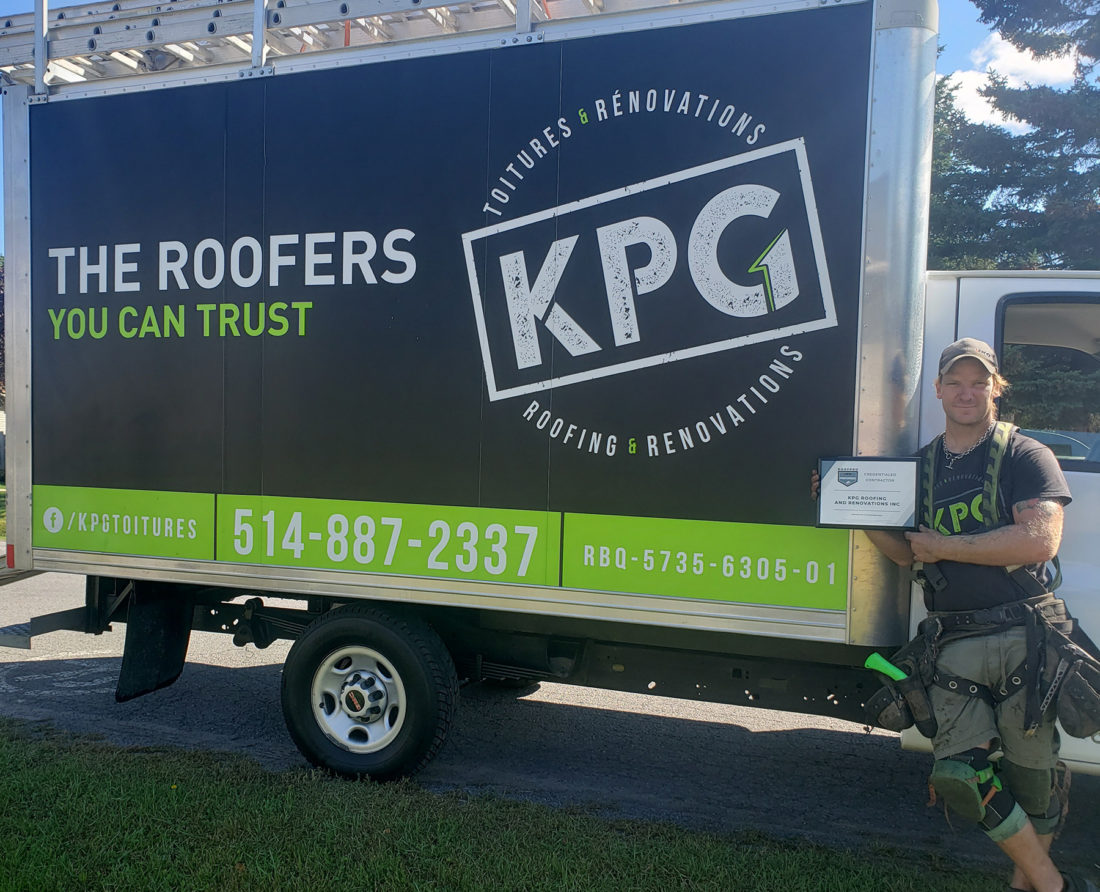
[{"x": 1029, "y": 470}]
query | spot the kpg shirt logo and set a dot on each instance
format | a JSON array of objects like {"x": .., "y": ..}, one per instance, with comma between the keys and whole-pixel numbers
[{"x": 707, "y": 259}]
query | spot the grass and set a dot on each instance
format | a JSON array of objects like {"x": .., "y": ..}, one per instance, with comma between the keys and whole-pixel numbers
[{"x": 78, "y": 814}]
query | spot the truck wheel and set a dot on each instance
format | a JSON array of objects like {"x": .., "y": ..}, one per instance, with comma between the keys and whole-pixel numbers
[{"x": 367, "y": 693}]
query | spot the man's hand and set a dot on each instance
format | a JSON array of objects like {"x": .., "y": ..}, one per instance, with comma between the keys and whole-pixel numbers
[
  {"x": 815, "y": 484},
  {"x": 925, "y": 544}
]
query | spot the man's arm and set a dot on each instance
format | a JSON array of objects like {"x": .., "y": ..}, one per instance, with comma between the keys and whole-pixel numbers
[
  {"x": 893, "y": 545},
  {"x": 1032, "y": 538}
]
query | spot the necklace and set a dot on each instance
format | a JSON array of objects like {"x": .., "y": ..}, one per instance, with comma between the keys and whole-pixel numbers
[{"x": 952, "y": 457}]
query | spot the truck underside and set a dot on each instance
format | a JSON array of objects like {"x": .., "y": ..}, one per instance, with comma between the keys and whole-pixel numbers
[
  {"x": 414, "y": 656},
  {"x": 801, "y": 676}
]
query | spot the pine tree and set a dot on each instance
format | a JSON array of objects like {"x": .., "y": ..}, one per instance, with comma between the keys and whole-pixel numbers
[
  {"x": 1051, "y": 188},
  {"x": 964, "y": 232},
  {"x": 1032, "y": 199},
  {"x": 1046, "y": 27}
]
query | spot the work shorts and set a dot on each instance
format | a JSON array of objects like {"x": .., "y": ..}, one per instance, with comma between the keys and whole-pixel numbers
[{"x": 967, "y": 722}]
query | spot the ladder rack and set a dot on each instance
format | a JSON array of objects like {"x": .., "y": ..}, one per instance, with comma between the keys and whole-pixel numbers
[{"x": 129, "y": 38}]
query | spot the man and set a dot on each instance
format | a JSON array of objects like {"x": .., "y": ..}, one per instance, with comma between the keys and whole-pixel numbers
[{"x": 995, "y": 755}]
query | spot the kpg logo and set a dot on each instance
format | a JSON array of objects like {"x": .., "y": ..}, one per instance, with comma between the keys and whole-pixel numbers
[{"x": 707, "y": 259}]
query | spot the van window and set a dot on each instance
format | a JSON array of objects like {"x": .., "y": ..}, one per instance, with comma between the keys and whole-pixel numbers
[{"x": 1050, "y": 354}]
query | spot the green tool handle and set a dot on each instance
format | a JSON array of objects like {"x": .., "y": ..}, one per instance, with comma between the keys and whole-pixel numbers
[{"x": 880, "y": 664}]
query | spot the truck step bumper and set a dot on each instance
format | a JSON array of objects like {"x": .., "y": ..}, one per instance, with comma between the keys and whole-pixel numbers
[{"x": 20, "y": 634}]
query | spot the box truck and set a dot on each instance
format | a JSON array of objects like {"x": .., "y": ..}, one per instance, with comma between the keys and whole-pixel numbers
[{"x": 489, "y": 340}]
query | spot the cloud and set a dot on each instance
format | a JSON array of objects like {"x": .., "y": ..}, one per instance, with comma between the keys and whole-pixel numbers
[{"x": 1016, "y": 66}]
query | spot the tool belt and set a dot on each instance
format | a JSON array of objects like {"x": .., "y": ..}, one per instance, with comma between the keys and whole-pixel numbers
[{"x": 1075, "y": 682}]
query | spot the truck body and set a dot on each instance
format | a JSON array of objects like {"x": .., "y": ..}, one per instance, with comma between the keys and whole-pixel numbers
[{"x": 496, "y": 340}]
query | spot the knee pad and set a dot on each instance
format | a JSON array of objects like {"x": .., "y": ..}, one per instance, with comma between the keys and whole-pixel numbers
[
  {"x": 1031, "y": 787},
  {"x": 964, "y": 781},
  {"x": 1048, "y": 823},
  {"x": 1043, "y": 794},
  {"x": 971, "y": 789}
]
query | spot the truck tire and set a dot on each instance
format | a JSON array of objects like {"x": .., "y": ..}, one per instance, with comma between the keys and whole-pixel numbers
[{"x": 367, "y": 693}]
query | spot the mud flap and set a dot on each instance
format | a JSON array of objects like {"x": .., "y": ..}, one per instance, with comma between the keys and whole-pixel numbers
[{"x": 158, "y": 630}]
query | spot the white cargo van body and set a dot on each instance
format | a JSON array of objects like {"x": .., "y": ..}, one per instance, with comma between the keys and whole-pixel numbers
[{"x": 501, "y": 338}]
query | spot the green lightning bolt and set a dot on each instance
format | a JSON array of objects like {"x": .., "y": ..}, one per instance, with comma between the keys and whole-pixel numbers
[{"x": 759, "y": 266}]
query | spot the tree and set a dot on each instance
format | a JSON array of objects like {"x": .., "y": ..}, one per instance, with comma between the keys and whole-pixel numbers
[
  {"x": 1046, "y": 27},
  {"x": 964, "y": 229},
  {"x": 1053, "y": 388},
  {"x": 1052, "y": 179},
  {"x": 1032, "y": 199}
]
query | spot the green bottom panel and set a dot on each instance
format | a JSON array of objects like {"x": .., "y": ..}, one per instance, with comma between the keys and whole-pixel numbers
[
  {"x": 772, "y": 565},
  {"x": 786, "y": 566}
]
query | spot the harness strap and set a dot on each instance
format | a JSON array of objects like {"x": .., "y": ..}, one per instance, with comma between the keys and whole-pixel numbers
[
  {"x": 998, "y": 445},
  {"x": 1057, "y": 580},
  {"x": 1016, "y": 680},
  {"x": 1036, "y": 646},
  {"x": 1014, "y": 613},
  {"x": 928, "y": 477}
]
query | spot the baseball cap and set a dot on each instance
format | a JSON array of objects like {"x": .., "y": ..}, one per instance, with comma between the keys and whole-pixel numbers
[{"x": 972, "y": 348}]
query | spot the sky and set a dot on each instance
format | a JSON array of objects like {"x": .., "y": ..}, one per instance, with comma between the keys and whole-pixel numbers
[{"x": 970, "y": 52}]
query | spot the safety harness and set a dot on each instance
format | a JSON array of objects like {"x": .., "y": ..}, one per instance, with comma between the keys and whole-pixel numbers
[
  {"x": 1036, "y": 615},
  {"x": 1075, "y": 681},
  {"x": 1037, "y": 608}
]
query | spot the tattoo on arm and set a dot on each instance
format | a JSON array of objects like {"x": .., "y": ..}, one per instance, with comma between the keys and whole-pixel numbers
[
  {"x": 1042, "y": 518},
  {"x": 1044, "y": 509}
]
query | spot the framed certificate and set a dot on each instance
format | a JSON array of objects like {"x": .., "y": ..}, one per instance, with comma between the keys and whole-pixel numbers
[{"x": 862, "y": 493}]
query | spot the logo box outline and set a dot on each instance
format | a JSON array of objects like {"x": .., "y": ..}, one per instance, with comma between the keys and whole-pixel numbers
[{"x": 828, "y": 320}]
